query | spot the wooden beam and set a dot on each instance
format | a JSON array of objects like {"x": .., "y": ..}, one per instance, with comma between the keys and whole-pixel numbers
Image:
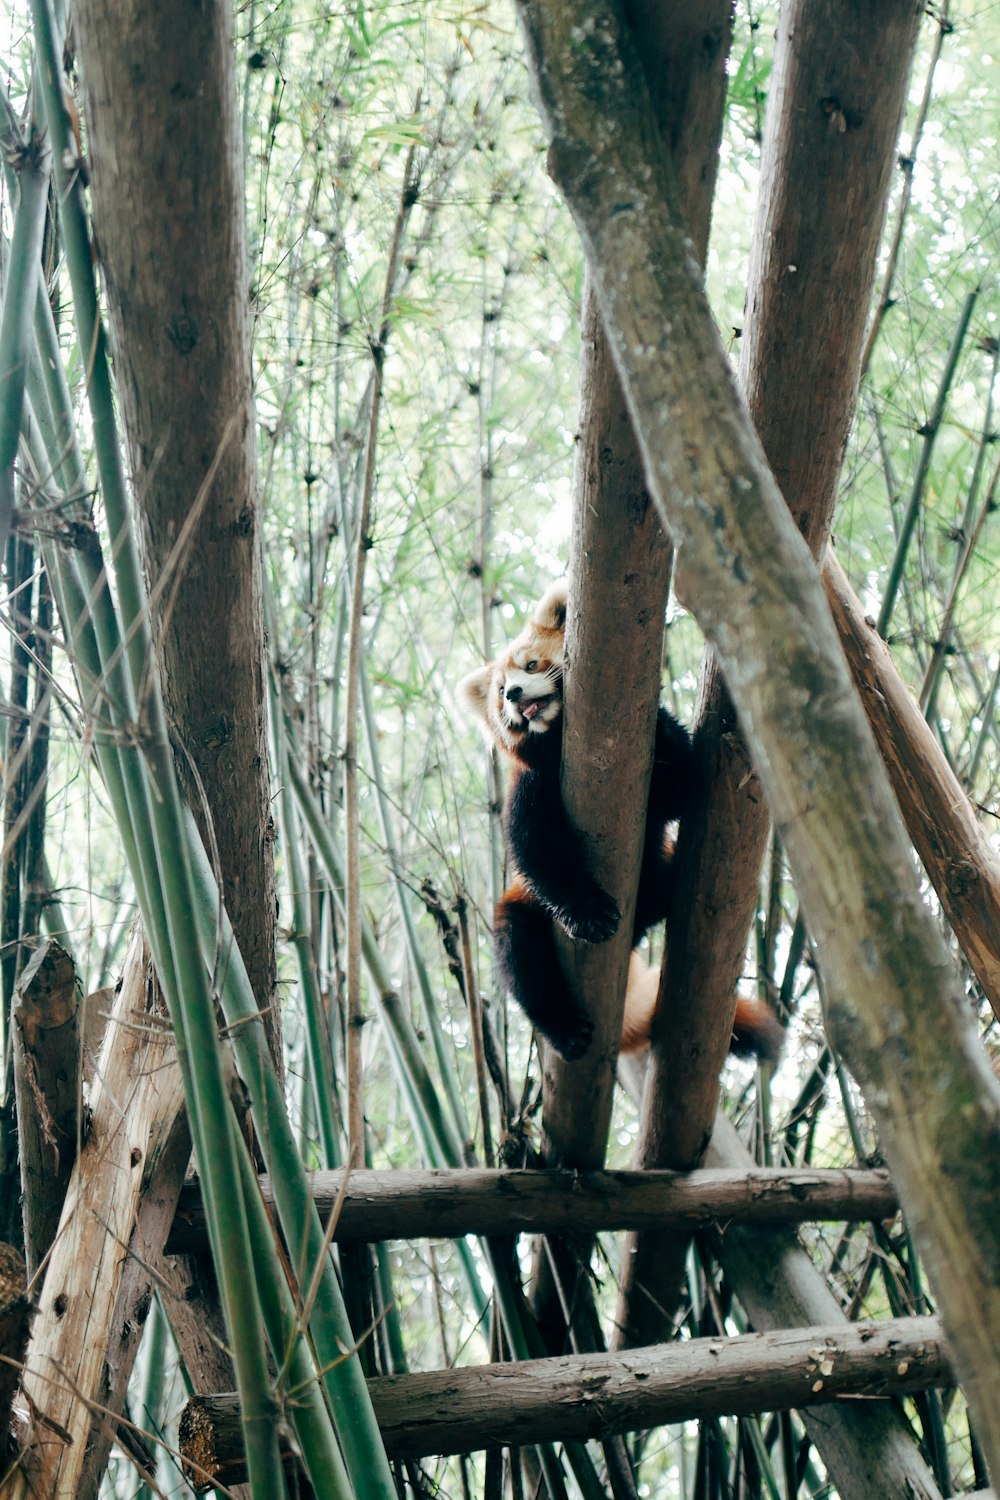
[
  {"x": 592, "y": 1395},
  {"x": 446, "y": 1204}
]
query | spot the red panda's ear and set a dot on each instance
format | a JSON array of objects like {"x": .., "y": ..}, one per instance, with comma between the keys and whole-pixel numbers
[
  {"x": 550, "y": 611},
  {"x": 474, "y": 691}
]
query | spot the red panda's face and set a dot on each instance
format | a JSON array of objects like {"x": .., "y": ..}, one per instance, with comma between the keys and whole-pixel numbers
[
  {"x": 527, "y": 690},
  {"x": 520, "y": 694}
]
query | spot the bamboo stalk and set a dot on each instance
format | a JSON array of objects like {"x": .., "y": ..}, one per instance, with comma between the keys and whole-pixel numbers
[
  {"x": 355, "y": 1018},
  {"x": 929, "y": 432},
  {"x": 907, "y": 164},
  {"x": 317, "y": 1030},
  {"x": 970, "y": 534},
  {"x": 22, "y": 283}
]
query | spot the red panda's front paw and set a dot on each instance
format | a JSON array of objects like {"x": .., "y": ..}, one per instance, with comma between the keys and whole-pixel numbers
[
  {"x": 572, "y": 1039},
  {"x": 594, "y": 919}
]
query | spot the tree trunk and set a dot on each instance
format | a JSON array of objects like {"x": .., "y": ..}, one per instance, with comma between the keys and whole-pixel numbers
[
  {"x": 169, "y": 226},
  {"x": 895, "y": 999},
  {"x": 836, "y": 97},
  {"x": 619, "y": 577},
  {"x": 959, "y": 858},
  {"x": 170, "y": 230},
  {"x": 15, "y": 1323}
]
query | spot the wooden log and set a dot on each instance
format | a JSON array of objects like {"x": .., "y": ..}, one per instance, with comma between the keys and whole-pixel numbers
[
  {"x": 15, "y": 1318},
  {"x": 446, "y": 1204},
  {"x": 955, "y": 849},
  {"x": 46, "y": 1041},
  {"x": 136, "y": 1098},
  {"x": 593, "y": 1395}
]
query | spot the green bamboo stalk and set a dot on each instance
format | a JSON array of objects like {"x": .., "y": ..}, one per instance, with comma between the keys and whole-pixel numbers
[
  {"x": 82, "y": 606},
  {"x": 297, "y": 1376},
  {"x": 929, "y": 431},
  {"x": 445, "y": 1064},
  {"x": 23, "y": 279},
  {"x": 907, "y": 163},
  {"x": 329, "y": 1328},
  {"x": 971, "y": 532},
  {"x": 421, "y": 1089},
  {"x": 317, "y": 1028},
  {"x": 397, "y": 1362},
  {"x": 434, "y": 1130},
  {"x": 986, "y": 732},
  {"x": 155, "y": 1342}
]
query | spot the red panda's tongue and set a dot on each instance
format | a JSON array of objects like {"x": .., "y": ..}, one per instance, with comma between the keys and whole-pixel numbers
[{"x": 529, "y": 710}]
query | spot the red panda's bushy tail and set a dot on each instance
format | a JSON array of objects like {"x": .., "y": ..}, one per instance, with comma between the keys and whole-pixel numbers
[{"x": 757, "y": 1032}]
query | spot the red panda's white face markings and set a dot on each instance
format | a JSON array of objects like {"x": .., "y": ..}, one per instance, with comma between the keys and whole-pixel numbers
[
  {"x": 520, "y": 694},
  {"x": 530, "y": 696}
]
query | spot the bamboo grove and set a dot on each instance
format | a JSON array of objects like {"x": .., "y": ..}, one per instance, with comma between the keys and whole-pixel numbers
[{"x": 329, "y": 337}]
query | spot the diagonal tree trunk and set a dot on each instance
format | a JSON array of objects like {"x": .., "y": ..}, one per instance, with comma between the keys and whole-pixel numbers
[
  {"x": 959, "y": 858},
  {"x": 836, "y": 98},
  {"x": 894, "y": 997}
]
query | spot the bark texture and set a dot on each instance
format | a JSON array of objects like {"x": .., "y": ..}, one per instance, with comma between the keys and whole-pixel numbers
[
  {"x": 166, "y": 163},
  {"x": 75, "y": 1342},
  {"x": 15, "y": 1321},
  {"x": 592, "y": 1395},
  {"x": 748, "y": 575},
  {"x": 619, "y": 577},
  {"x": 448, "y": 1204},
  {"x": 47, "y": 1078},
  {"x": 835, "y": 102}
]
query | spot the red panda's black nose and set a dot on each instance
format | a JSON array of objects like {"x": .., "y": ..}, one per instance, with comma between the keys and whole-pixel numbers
[{"x": 513, "y": 694}]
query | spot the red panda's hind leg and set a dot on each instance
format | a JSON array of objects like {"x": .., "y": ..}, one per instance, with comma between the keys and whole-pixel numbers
[{"x": 528, "y": 966}]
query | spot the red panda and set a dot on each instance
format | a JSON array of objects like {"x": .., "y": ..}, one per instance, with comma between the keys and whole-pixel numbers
[{"x": 517, "y": 700}]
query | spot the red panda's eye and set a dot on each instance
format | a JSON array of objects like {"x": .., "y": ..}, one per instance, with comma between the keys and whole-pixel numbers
[{"x": 530, "y": 666}]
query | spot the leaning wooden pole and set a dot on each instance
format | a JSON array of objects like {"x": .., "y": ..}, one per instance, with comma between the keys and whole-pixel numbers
[
  {"x": 895, "y": 998},
  {"x": 960, "y": 859},
  {"x": 867, "y": 1447}
]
